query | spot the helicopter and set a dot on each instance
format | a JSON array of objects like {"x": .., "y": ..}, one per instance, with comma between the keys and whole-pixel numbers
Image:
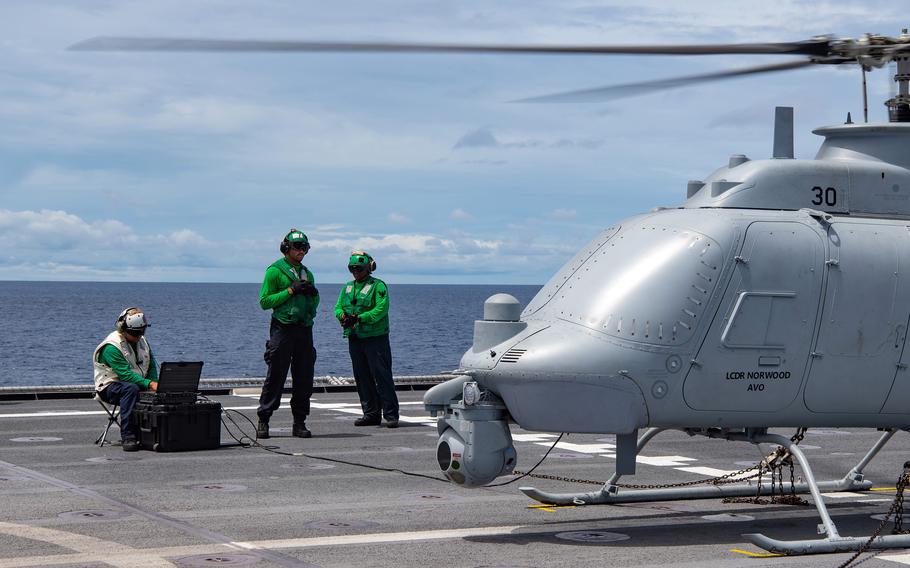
[{"x": 776, "y": 295}]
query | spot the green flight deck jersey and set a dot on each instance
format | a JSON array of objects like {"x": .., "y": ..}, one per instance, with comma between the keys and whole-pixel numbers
[
  {"x": 113, "y": 358},
  {"x": 287, "y": 308},
  {"x": 369, "y": 300}
]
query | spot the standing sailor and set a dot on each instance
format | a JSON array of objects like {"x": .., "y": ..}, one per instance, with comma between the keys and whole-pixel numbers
[
  {"x": 289, "y": 292},
  {"x": 363, "y": 311},
  {"x": 124, "y": 365}
]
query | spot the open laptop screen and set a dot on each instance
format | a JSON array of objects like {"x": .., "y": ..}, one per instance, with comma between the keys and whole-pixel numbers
[{"x": 180, "y": 376}]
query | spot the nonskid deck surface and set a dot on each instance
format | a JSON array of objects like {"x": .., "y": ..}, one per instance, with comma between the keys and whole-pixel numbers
[{"x": 66, "y": 502}]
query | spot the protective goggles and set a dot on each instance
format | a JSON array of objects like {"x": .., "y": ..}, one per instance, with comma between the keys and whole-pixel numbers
[
  {"x": 300, "y": 245},
  {"x": 356, "y": 268}
]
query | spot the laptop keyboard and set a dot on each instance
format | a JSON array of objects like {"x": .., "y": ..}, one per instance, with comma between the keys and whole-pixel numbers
[{"x": 150, "y": 397}]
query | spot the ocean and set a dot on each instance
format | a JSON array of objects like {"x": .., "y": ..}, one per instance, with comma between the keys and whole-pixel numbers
[{"x": 48, "y": 330}]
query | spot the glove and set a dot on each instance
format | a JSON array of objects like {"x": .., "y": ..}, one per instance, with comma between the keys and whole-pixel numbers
[
  {"x": 348, "y": 321},
  {"x": 304, "y": 287}
]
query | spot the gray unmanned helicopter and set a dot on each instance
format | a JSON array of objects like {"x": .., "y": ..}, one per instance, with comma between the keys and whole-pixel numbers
[{"x": 777, "y": 295}]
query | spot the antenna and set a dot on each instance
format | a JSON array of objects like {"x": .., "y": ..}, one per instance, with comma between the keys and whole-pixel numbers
[
  {"x": 783, "y": 132},
  {"x": 865, "y": 96}
]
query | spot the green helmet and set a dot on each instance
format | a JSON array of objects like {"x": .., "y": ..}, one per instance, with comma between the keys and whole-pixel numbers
[
  {"x": 295, "y": 236},
  {"x": 361, "y": 259}
]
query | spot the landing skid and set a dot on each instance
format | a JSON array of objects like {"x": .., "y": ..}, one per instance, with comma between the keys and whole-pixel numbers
[{"x": 833, "y": 542}]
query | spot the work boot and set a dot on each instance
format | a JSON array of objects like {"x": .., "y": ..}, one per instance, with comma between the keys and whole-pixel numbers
[
  {"x": 130, "y": 445},
  {"x": 367, "y": 421},
  {"x": 262, "y": 430},
  {"x": 391, "y": 423},
  {"x": 299, "y": 430}
]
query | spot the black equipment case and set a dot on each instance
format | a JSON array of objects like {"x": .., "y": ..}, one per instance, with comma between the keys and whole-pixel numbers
[{"x": 178, "y": 427}]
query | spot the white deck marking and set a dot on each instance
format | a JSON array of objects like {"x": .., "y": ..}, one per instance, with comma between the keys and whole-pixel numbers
[
  {"x": 351, "y": 408},
  {"x": 408, "y": 536},
  {"x": 95, "y": 550},
  {"x": 665, "y": 461},
  {"x": 846, "y": 495},
  {"x": 603, "y": 449},
  {"x": 533, "y": 437},
  {"x": 583, "y": 448},
  {"x": 107, "y": 553},
  {"x": 53, "y": 414},
  {"x": 709, "y": 471},
  {"x": 899, "y": 558},
  {"x": 426, "y": 420}
]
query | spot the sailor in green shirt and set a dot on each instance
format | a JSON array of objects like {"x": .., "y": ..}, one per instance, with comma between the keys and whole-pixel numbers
[
  {"x": 288, "y": 290},
  {"x": 124, "y": 364},
  {"x": 362, "y": 310}
]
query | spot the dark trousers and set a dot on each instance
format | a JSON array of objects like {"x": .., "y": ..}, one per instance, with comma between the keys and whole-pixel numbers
[
  {"x": 290, "y": 346},
  {"x": 371, "y": 358},
  {"x": 124, "y": 395}
]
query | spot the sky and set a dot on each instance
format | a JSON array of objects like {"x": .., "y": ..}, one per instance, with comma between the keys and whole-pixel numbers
[{"x": 191, "y": 167}]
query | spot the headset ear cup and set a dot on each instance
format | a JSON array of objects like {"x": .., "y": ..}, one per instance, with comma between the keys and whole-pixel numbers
[{"x": 372, "y": 266}]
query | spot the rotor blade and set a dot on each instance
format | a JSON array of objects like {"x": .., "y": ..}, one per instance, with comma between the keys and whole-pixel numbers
[
  {"x": 631, "y": 89},
  {"x": 816, "y": 47}
]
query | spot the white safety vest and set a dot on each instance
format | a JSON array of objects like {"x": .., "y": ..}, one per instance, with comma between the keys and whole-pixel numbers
[{"x": 139, "y": 360}]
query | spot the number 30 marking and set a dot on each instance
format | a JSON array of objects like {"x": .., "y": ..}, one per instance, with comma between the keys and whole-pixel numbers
[{"x": 828, "y": 196}]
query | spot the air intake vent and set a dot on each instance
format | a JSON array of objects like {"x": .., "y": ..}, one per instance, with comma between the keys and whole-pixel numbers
[{"x": 512, "y": 355}]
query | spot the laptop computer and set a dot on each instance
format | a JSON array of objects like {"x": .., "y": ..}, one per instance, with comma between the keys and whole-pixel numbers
[{"x": 178, "y": 383}]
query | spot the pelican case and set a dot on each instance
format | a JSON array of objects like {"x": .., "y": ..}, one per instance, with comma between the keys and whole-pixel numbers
[{"x": 178, "y": 427}]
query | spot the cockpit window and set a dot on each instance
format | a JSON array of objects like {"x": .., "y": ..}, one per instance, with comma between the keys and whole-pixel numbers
[
  {"x": 647, "y": 283},
  {"x": 567, "y": 271}
]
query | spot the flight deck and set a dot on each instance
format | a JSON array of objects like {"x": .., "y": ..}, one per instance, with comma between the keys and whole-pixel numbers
[{"x": 67, "y": 502}]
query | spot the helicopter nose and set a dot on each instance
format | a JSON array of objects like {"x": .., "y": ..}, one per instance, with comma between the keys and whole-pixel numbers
[{"x": 563, "y": 378}]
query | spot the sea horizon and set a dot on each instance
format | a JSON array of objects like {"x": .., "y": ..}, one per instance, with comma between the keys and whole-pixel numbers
[{"x": 49, "y": 329}]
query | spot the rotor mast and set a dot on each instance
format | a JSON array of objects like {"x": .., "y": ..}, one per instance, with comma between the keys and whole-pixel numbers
[{"x": 899, "y": 106}]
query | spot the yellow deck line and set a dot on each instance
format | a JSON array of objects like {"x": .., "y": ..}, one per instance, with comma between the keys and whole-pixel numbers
[
  {"x": 755, "y": 554},
  {"x": 550, "y": 508}
]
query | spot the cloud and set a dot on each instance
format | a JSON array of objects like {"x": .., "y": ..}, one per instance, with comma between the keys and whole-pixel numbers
[
  {"x": 211, "y": 115},
  {"x": 61, "y": 245},
  {"x": 485, "y": 138},
  {"x": 563, "y": 213},
  {"x": 398, "y": 218},
  {"x": 460, "y": 214},
  {"x": 57, "y": 245},
  {"x": 480, "y": 138},
  {"x": 586, "y": 144},
  {"x": 158, "y": 156},
  {"x": 485, "y": 162}
]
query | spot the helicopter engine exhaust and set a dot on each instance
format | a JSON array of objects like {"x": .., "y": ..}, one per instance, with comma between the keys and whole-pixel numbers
[{"x": 475, "y": 445}]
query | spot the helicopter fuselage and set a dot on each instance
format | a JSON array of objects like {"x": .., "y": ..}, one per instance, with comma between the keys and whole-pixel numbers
[
  {"x": 756, "y": 318},
  {"x": 777, "y": 295}
]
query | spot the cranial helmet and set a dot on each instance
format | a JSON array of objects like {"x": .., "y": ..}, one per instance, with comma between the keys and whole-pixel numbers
[
  {"x": 360, "y": 258},
  {"x": 133, "y": 321},
  {"x": 294, "y": 236}
]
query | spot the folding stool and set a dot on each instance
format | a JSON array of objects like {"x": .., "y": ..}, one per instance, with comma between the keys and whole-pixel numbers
[{"x": 113, "y": 417}]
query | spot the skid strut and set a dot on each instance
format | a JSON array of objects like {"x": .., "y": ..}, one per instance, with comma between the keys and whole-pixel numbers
[{"x": 833, "y": 542}]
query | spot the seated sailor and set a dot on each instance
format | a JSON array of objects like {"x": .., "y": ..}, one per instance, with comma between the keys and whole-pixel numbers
[{"x": 124, "y": 365}]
